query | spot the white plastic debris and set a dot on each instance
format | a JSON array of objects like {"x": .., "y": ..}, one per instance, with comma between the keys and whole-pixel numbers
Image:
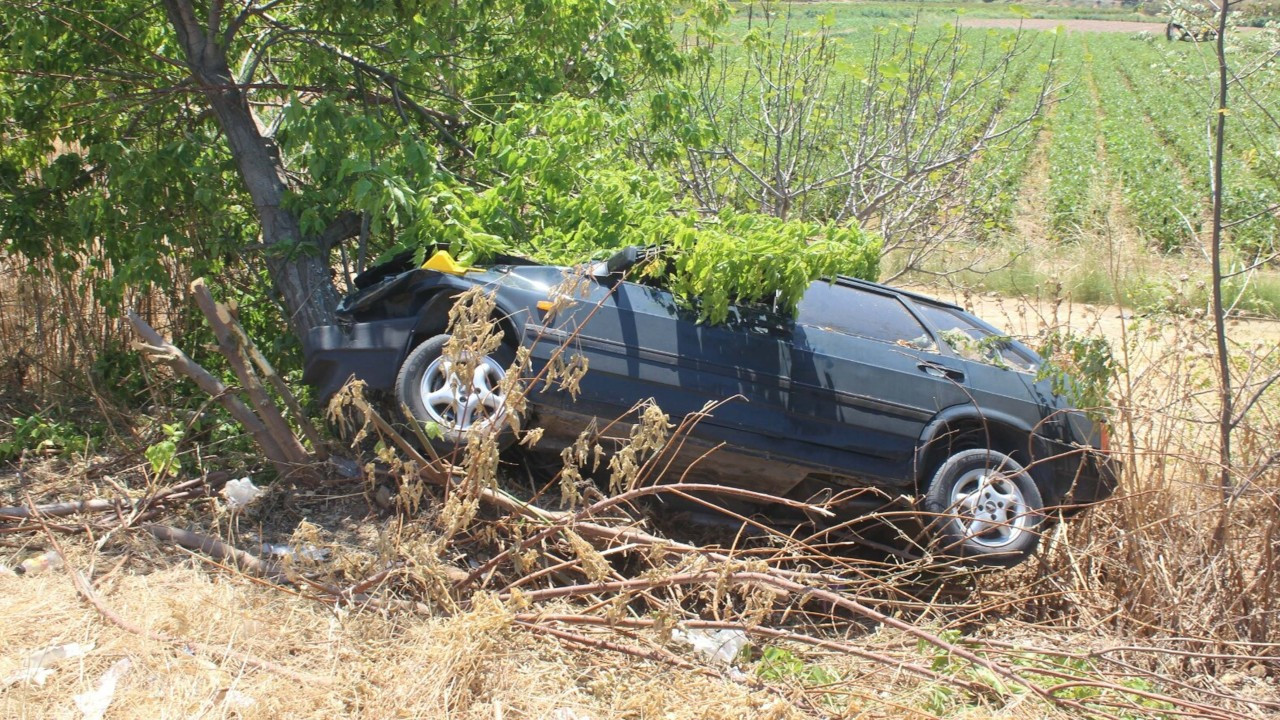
[
  {"x": 564, "y": 713},
  {"x": 722, "y": 645},
  {"x": 235, "y": 700},
  {"x": 93, "y": 704},
  {"x": 45, "y": 561},
  {"x": 240, "y": 493},
  {"x": 307, "y": 551},
  {"x": 38, "y": 667}
]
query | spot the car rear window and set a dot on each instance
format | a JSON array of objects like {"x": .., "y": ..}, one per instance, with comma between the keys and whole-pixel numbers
[
  {"x": 858, "y": 312},
  {"x": 948, "y": 320}
]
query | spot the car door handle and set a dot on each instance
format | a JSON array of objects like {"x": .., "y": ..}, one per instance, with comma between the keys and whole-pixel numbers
[{"x": 941, "y": 371}]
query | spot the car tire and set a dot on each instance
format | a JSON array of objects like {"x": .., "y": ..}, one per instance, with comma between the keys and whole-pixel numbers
[
  {"x": 985, "y": 508},
  {"x": 431, "y": 394}
]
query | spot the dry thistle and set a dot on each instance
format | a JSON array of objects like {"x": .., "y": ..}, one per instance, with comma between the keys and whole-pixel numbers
[
  {"x": 573, "y": 459},
  {"x": 647, "y": 436},
  {"x": 594, "y": 565},
  {"x": 473, "y": 333},
  {"x": 565, "y": 374},
  {"x": 345, "y": 412},
  {"x": 532, "y": 437}
]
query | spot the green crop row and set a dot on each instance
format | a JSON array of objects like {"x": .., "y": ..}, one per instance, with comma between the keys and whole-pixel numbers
[
  {"x": 1166, "y": 209},
  {"x": 1180, "y": 113},
  {"x": 1131, "y": 111},
  {"x": 1073, "y": 151},
  {"x": 997, "y": 176}
]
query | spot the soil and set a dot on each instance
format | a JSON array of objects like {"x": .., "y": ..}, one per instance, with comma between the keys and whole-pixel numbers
[
  {"x": 1025, "y": 317},
  {"x": 1117, "y": 26},
  {"x": 1075, "y": 25}
]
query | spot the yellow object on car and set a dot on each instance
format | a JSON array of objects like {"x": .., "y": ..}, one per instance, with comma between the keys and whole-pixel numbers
[{"x": 443, "y": 262}]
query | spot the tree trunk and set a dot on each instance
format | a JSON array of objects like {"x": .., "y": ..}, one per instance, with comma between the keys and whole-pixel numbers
[
  {"x": 302, "y": 278},
  {"x": 1225, "y": 410}
]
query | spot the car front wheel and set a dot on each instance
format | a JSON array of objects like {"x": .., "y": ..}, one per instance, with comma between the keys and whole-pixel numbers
[
  {"x": 459, "y": 395},
  {"x": 986, "y": 507}
]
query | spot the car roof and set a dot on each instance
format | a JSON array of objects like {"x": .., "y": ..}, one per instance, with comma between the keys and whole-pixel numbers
[
  {"x": 845, "y": 280},
  {"x": 867, "y": 284}
]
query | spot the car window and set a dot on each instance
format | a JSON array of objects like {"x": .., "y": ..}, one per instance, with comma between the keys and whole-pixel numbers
[
  {"x": 854, "y": 311},
  {"x": 982, "y": 344}
]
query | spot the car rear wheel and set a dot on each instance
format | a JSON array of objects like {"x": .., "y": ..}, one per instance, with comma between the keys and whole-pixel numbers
[
  {"x": 986, "y": 508},
  {"x": 434, "y": 390}
]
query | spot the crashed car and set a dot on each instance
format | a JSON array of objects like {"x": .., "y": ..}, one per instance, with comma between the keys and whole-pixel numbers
[{"x": 865, "y": 392}]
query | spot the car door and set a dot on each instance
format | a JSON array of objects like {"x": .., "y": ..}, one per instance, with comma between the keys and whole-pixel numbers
[
  {"x": 867, "y": 377},
  {"x": 639, "y": 344}
]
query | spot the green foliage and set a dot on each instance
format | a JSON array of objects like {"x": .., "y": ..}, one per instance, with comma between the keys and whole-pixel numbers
[
  {"x": 101, "y": 176},
  {"x": 490, "y": 138},
  {"x": 1176, "y": 112},
  {"x": 781, "y": 665},
  {"x": 113, "y": 168},
  {"x": 41, "y": 435},
  {"x": 561, "y": 188},
  {"x": 163, "y": 455},
  {"x": 759, "y": 258},
  {"x": 1079, "y": 368},
  {"x": 1045, "y": 670},
  {"x": 1155, "y": 189}
]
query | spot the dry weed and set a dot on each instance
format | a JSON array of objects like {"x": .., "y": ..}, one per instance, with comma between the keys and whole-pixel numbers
[{"x": 1167, "y": 562}]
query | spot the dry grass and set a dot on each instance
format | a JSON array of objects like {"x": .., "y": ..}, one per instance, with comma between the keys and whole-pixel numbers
[
  {"x": 53, "y": 329},
  {"x": 1136, "y": 592},
  {"x": 470, "y": 665},
  {"x": 1168, "y": 559},
  {"x": 1167, "y": 562}
]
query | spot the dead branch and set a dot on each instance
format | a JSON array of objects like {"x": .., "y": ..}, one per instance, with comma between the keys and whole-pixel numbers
[
  {"x": 215, "y": 548},
  {"x": 277, "y": 383},
  {"x": 61, "y": 509},
  {"x": 161, "y": 350},
  {"x": 601, "y": 644},
  {"x": 231, "y": 347},
  {"x": 86, "y": 591},
  {"x": 179, "y": 491},
  {"x": 763, "y": 632}
]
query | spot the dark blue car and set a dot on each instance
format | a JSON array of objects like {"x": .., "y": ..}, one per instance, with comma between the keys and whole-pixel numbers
[{"x": 866, "y": 391}]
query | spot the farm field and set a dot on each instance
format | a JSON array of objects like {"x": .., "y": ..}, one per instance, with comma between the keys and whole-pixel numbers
[
  {"x": 1119, "y": 171},
  {"x": 1115, "y": 169}
]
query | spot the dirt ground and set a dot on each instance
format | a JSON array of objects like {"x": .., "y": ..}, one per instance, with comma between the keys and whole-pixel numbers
[
  {"x": 1026, "y": 317},
  {"x": 1119, "y": 26}
]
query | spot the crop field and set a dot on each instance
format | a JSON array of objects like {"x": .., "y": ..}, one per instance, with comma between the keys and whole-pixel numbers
[{"x": 1119, "y": 155}]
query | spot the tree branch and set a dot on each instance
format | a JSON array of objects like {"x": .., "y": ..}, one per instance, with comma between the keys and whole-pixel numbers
[
  {"x": 215, "y": 19},
  {"x": 438, "y": 120},
  {"x": 346, "y": 225},
  {"x": 242, "y": 17}
]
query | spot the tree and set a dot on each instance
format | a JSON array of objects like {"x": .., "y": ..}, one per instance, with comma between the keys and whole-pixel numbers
[
  {"x": 1240, "y": 71},
  {"x": 143, "y": 132},
  {"x": 788, "y": 122}
]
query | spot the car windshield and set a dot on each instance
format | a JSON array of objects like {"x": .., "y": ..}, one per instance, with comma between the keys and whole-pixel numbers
[{"x": 974, "y": 341}]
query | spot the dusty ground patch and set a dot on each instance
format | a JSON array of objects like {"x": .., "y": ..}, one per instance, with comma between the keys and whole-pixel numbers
[
  {"x": 471, "y": 665},
  {"x": 1122, "y": 26}
]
